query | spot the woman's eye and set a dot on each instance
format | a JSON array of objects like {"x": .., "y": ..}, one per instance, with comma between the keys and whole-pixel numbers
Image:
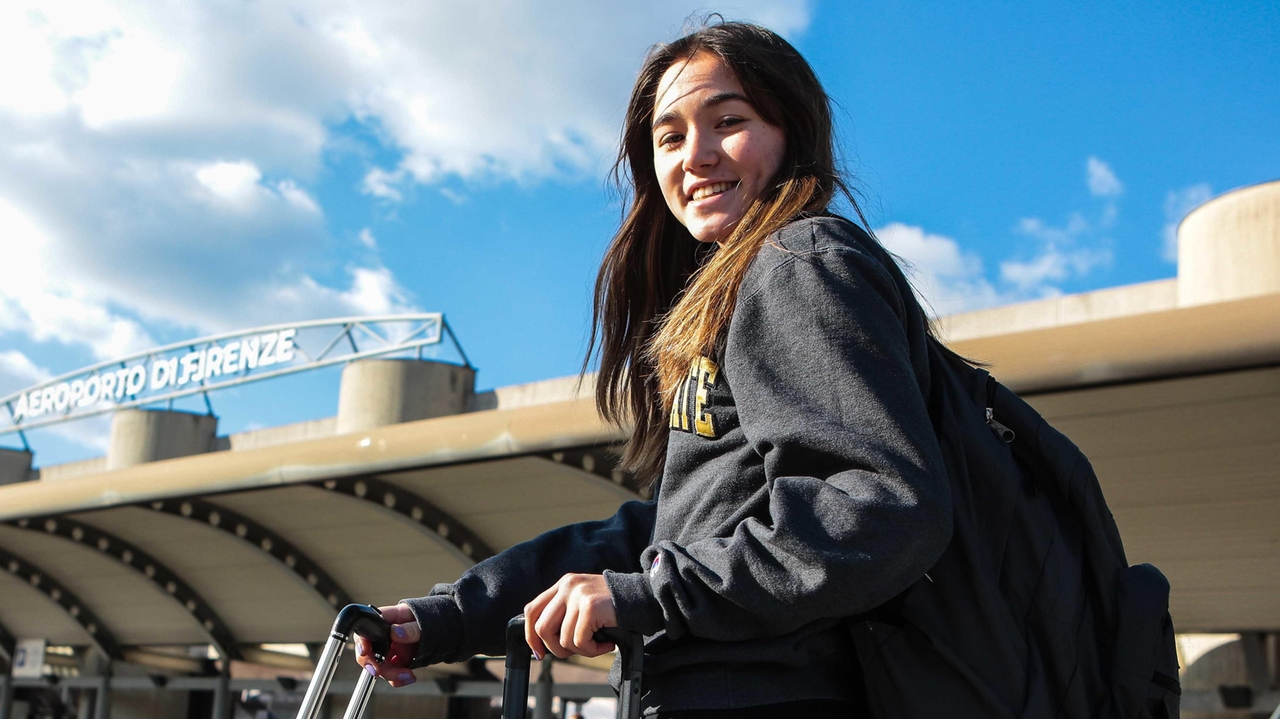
[
  {"x": 669, "y": 139},
  {"x": 731, "y": 121}
]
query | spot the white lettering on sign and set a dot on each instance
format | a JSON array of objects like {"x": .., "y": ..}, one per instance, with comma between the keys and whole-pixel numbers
[{"x": 114, "y": 385}]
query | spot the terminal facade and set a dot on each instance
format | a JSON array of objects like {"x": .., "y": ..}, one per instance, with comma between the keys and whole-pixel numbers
[{"x": 189, "y": 575}]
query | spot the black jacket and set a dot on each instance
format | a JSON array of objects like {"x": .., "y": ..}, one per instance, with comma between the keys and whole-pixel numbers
[{"x": 803, "y": 484}]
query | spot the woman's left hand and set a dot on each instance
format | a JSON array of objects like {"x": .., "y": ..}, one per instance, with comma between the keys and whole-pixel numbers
[{"x": 563, "y": 619}]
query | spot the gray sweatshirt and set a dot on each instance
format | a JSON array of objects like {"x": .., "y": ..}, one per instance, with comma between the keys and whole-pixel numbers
[{"x": 803, "y": 484}]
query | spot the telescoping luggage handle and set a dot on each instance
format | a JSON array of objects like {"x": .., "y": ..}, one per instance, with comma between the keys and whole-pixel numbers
[
  {"x": 515, "y": 687},
  {"x": 367, "y": 621},
  {"x": 361, "y": 619}
]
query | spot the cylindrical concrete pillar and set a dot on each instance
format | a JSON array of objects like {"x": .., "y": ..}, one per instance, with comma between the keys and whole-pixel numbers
[
  {"x": 379, "y": 392},
  {"x": 1229, "y": 247},
  {"x": 15, "y": 465},
  {"x": 145, "y": 435}
]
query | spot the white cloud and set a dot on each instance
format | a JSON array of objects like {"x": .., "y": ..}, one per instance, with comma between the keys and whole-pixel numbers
[
  {"x": 1101, "y": 179},
  {"x": 132, "y": 79},
  {"x": 233, "y": 182},
  {"x": 367, "y": 239},
  {"x": 1060, "y": 258},
  {"x": 156, "y": 158},
  {"x": 18, "y": 371},
  {"x": 543, "y": 106},
  {"x": 1176, "y": 206},
  {"x": 381, "y": 183},
  {"x": 948, "y": 279},
  {"x": 297, "y": 197},
  {"x": 372, "y": 290},
  {"x": 45, "y": 306}
]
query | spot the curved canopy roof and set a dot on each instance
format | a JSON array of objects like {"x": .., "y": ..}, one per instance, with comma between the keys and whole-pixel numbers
[{"x": 1179, "y": 409}]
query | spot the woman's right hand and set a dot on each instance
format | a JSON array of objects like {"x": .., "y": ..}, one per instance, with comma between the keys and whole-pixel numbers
[{"x": 405, "y": 634}]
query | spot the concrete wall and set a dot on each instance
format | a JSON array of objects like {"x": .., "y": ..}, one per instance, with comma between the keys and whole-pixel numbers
[
  {"x": 144, "y": 435},
  {"x": 379, "y": 392},
  {"x": 560, "y": 389},
  {"x": 54, "y": 472},
  {"x": 15, "y": 466},
  {"x": 284, "y": 434},
  {"x": 1229, "y": 247}
]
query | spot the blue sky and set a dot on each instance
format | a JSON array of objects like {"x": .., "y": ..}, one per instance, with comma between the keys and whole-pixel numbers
[{"x": 181, "y": 169}]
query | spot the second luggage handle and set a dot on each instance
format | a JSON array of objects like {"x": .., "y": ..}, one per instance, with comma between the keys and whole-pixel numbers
[
  {"x": 362, "y": 619},
  {"x": 515, "y": 687}
]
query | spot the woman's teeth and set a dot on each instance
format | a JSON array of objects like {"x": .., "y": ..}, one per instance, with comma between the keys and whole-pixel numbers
[{"x": 715, "y": 189}]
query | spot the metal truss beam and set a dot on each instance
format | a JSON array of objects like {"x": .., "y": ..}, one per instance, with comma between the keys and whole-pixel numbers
[
  {"x": 149, "y": 567},
  {"x": 261, "y": 537},
  {"x": 99, "y": 634},
  {"x": 285, "y": 348},
  {"x": 438, "y": 524}
]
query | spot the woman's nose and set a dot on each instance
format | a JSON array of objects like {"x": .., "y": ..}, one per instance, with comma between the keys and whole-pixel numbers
[{"x": 700, "y": 151}]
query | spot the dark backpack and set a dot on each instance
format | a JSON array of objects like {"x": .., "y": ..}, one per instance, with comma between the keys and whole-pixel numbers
[{"x": 1032, "y": 610}]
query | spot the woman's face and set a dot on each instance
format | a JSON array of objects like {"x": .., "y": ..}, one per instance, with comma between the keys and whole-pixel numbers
[{"x": 712, "y": 152}]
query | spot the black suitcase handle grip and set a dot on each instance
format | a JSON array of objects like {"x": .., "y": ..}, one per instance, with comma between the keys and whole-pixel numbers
[
  {"x": 515, "y": 687},
  {"x": 367, "y": 621}
]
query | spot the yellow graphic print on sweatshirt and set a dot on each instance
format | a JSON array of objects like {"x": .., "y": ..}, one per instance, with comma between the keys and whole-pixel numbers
[{"x": 688, "y": 411}]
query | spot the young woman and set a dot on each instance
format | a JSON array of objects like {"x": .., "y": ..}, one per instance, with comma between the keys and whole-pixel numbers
[{"x": 771, "y": 359}]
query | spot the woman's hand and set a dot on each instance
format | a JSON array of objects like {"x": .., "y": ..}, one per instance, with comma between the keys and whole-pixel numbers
[
  {"x": 404, "y": 637},
  {"x": 563, "y": 619}
]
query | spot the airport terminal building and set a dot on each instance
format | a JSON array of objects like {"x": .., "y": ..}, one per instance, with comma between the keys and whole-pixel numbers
[{"x": 188, "y": 575}]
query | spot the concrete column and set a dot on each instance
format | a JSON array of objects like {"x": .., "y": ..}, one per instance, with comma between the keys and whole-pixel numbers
[
  {"x": 1229, "y": 247},
  {"x": 102, "y": 699},
  {"x": 222, "y": 697},
  {"x": 146, "y": 435},
  {"x": 379, "y": 392},
  {"x": 6, "y": 696},
  {"x": 544, "y": 690},
  {"x": 84, "y": 704},
  {"x": 15, "y": 465}
]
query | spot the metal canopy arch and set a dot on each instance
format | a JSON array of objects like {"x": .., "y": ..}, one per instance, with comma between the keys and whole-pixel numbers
[
  {"x": 149, "y": 567},
  {"x": 99, "y": 634},
  {"x": 263, "y": 538},
  {"x": 423, "y": 329},
  {"x": 437, "y": 524},
  {"x": 602, "y": 461}
]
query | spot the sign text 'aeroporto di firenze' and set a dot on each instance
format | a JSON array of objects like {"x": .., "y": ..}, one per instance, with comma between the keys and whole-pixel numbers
[
  {"x": 211, "y": 363},
  {"x": 195, "y": 366}
]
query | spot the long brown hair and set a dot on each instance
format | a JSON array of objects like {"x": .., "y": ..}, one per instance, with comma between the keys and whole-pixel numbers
[{"x": 662, "y": 298}]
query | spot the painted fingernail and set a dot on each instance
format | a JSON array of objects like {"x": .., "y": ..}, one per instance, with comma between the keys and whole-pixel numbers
[
  {"x": 536, "y": 654},
  {"x": 373, "y": 671},
  {"x": 406, "y": 678},
  {"x": 398, "y": 631}
]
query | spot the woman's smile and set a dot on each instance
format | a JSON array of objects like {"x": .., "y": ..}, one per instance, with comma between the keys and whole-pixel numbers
[{"x": 712, "y": 190}]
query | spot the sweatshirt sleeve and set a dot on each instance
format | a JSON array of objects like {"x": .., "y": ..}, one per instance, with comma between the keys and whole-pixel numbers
[
  {"x": 470, "y": 616},
  {"x": 819, "y": 361}
]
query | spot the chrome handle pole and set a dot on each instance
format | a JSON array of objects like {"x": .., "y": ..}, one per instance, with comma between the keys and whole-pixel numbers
[
  {"x": 319, "y": 686},
  {"x": 360, "y": 697}
]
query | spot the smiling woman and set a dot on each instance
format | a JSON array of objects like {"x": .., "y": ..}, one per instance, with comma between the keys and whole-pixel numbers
[{"x": 770, "y": 359}]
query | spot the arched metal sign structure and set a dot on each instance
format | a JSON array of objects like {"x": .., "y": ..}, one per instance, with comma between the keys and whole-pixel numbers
[{"x": 219, "y": 361}]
